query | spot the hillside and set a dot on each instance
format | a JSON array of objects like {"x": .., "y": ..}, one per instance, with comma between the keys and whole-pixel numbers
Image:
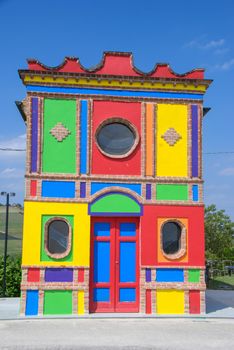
[{"x": 15, "y": 230}]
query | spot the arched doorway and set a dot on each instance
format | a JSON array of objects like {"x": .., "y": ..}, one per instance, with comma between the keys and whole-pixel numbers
[{"x": 114, "y": 265}]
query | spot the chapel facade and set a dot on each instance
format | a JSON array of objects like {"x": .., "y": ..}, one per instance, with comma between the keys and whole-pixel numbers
[{"x": 113, "y": 212}]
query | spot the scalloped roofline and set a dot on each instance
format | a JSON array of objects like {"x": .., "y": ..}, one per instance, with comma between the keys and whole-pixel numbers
[{"x": 115, "y": 63}]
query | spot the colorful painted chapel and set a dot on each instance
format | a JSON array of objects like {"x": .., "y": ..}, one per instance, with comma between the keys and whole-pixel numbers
[{"x": 113, "y": 212}]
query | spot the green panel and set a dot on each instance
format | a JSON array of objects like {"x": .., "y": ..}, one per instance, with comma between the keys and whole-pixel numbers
[
  {"x": 194, "y": 275},
  {"x": 55, "y": 153},
  {"x": 44, "y": 256},
  {"x": 172, "y": 192},
  {"x": 58, "y": 302},
  {"x": 115, "y": 203}
]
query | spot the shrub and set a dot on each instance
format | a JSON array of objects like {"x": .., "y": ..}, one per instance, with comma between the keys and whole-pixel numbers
[{"x": 13, "y": 276}]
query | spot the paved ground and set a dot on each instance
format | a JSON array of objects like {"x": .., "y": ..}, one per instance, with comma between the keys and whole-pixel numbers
[
  {"x": 214, "y": 331},
  {"x": 101, "y": 334}
]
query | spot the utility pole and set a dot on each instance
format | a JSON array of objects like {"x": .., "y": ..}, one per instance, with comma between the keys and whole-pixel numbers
[{"x": 7, "y": 195}]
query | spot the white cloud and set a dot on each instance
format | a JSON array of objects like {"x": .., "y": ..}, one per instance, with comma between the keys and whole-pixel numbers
[
  {"x": 226, "y": 65},
  {"x": 11, "y": 173},
  {"x": 227, "y": 172},
  {"x": 202, "y": 45},
  {"x": 216, "y": 187},
  {"x": 8, "y": 171},
  {"x": 18, "y": 142},
  {"x": 221, "y": 51}
]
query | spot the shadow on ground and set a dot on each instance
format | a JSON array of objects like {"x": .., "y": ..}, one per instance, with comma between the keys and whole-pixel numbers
[{"x": 217, "y": 300}]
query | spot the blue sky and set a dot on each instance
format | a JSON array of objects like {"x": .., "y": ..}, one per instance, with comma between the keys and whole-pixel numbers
[{"x": 186, "y": 34}]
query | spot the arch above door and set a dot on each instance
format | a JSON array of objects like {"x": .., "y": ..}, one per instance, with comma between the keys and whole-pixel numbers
[{"x": 115, "y": 204}]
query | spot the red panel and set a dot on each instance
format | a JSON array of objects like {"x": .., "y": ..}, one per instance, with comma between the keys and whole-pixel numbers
[
  {"x": 115, "y": 63},
  {"x": 33, "y": 188},
  {"x": 118, "y": 65},
  {"x": 165, "y": 71},
  {"x": 148, "y": 302},
  {"x": 196, "y": 245},
  {"x": 33, "y": 275},
  {"x": 81, "y": 275},
  {"x": 194, "y": 302},
  {"x": 102, "y": 164}
]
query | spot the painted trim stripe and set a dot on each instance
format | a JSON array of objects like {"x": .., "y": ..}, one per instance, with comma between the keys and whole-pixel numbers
[
  {"x": 83, "y": 136},
  {"x": 195, "y": 191},
  {"x": 200, "y": 88},
  {"x": 98, "y": 186},
  {"x": 34, "y": 141},
  {"x": 194, "y": 141},
  {"x": 148, "y": 191},
  {"x": 149, "y": 139},
  {"x": 109, "y": 92}
]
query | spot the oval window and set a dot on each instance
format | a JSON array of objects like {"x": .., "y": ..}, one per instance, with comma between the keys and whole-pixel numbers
[
  {"x": 171, "y": 237},
  {"x": 58, "y": 237},
  {"x": 116, "y": 138}
]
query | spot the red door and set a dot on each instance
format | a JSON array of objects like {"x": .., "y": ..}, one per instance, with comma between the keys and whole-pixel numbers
[{"x": 114, "y": 268}]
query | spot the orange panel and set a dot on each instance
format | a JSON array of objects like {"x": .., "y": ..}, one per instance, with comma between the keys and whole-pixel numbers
[{"x": 161, "y": 257}]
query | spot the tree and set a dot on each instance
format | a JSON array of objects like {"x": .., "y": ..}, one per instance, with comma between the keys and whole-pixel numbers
[
  {"x": 13, "y": 276},
  {"x": 219, "y": 234}
]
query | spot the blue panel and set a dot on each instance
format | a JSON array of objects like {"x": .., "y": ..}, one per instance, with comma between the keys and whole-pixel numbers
[
  {"x": 127, "y": 229},
  {"x": 101, "y": 294},
  {"x": 170, "y": 275},
  {"x": 127, "y": 93},
  {"x": 102, "y": 229},
  {"x": 195, "y": 193},
  {"x": 127, "y": 294},
  {"x": 83, "y": 136},
  {"x": 97, "y": 186},
  {"x": 31, "y": 303},
  {"x": 58, "y": 189},
  {"x": 101, "y": 261},
  {"x": 127, "y": 268}
]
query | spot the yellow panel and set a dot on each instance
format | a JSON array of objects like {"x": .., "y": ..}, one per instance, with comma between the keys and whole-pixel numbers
[
  {"x": 172, "y": 160},
  {"x": 80, "y": 302},
  {"x": 170, "y": 302},
  {"x": 114, "y": 83},
  {"x": 33, "y": 212}
]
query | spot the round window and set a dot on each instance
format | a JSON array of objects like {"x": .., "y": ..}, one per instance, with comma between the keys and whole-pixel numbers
[{"x": 116, "y": 138}]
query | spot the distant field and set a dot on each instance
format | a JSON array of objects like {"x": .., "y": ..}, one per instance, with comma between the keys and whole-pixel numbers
[
  {"x": 15, "y": 230},
  {"x": 222, "y": 282}
]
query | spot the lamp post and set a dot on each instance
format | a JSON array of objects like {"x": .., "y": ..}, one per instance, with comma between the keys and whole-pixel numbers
[{"x": 7, "y": 195}]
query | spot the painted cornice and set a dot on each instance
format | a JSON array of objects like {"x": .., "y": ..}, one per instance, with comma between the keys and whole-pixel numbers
[{"x": 114, "y": 64}]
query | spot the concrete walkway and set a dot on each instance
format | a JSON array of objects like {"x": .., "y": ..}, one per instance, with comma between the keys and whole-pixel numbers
[
  {"x": 219, "y": 304},
  {"x": 215, "y": 330},
  {"x": 112, "y": 333}
]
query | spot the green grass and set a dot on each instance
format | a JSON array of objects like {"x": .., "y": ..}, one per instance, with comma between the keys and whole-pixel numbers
[
  {"x": 222, "y": 282},
  {"x": 15, "y": 230}
]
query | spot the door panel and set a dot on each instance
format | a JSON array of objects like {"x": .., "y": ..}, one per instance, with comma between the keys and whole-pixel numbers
[
  {"x": 127, "y": 262},
  {"x": 127, "y": 229},
  {"x": 127, "y": 274},
  {"x": 102, "y": 229},
  {"x": 114, "y": 268},
  {"x": 101, "y": 276},
  {"x": 101, "y": 261},
  {"x": 127, "y": 294}
]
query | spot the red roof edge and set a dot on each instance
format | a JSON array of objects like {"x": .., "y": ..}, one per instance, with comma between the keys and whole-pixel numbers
[{"x": 115, "y": 63}]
